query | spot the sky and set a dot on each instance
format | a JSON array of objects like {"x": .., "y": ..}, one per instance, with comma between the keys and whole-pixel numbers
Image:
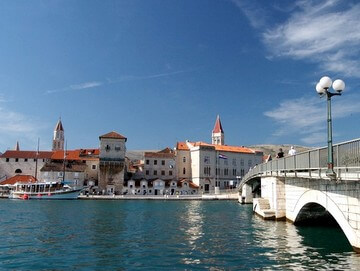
[{"x": 160, "y": 71}]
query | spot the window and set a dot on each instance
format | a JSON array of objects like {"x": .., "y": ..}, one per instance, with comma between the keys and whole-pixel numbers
[
  {"x": 107, "y": 148},
  {"x": 184, "y": 159},
  {"x": 234, "y": 162},
  {"x": 25, "y": 160},
  {"x": 16, "y": 159},
  {"x": 35, "y": 160},
  {"x": 7, "y": 159},
  {"x": 117, "y": 148},
  {"x": 18, "y": 171},
  {"x": 163, "y": 162},
  {"x": 234, "y": 171},
  {"x": 217, "y": 171},
  {"x": 146, "y": 172},
  {"x": 147, "y": 161},
  {"x": 241, "y": 162},
  {"x": 226, "y": 171},
  {"x": 76, "y": 174},
  {"x": 184, "y": 171},
  {"x": 206, "y": 159},
  {"x": 43, "y": 160},
  {"x": 225, "y": 162},
  {"x": 93, "y": 166},
  {"x": 163, "y": 172},
  {"x": 155, "y": 172},
  {"x": 170, "y": 172},
  {"x": 155, "y": 162},
  {"x": 60, "y": 174},
  {"x": 249, "y": 163}
]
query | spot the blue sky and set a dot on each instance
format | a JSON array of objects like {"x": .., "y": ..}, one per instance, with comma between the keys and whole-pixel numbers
[{"x": 160, "y": 71}]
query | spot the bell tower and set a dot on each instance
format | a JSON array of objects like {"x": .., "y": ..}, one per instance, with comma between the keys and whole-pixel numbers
[
  {"x": 218, "y": 137},
  {"x": 58, "y": 139}
]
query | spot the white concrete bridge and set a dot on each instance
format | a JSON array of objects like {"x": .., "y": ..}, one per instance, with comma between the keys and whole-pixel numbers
[{"x": 297, "y": 188}]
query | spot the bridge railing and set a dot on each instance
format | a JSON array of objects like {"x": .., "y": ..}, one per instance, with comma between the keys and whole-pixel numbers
[{"x": 346, "y": 157}]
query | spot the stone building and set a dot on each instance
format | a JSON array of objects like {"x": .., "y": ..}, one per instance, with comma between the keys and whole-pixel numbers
[
  {"x": 112, "y": 163},
  {"x": 214, "y": 166},
  {"x": 160, "y": 164}
]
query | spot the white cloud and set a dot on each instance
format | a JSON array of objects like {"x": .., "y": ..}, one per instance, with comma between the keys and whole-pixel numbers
[
  {"x": 81, "y": 86},
  {"x": 306, "y": 117},
  {"x": 16, "y": 126},
  {"x": 86, "y": 85},
  {"x": 253, "y": 12},
  {"x": 321, "y": 32}
]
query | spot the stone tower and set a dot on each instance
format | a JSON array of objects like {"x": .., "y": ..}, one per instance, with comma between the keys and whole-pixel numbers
[
  {"x": 58, "y": 139},
  {"x": 218, "y": 133},
  {"x": 112, "y": 162}
]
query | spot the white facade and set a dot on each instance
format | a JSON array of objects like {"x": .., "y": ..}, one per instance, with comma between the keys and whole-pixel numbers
[{"x": 217, "y": 166}]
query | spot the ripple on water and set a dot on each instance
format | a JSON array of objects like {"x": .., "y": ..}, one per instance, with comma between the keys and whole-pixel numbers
[{"x": 148, "y": 235}]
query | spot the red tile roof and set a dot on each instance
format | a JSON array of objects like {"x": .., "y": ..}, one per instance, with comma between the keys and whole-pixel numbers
[
  {"x": 113, "y": 135},
  {"x": 165, "y": 153},
  {"x": 27, "y": 154},
  {"x": 79, "y": 154},
  {"x": 222, "y": 148},
  {"x": 218, "y": 127},
  {"x": 19, "y": 179}
]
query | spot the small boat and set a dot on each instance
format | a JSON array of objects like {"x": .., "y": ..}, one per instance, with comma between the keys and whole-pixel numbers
[{"x": 44, "y": 190}]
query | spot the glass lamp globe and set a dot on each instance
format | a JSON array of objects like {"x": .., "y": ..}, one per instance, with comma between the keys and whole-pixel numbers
[
  {"x": 338, "y": 85},
  {"x": 319, "y": 89},
  {"x": 325, "y": 82}
]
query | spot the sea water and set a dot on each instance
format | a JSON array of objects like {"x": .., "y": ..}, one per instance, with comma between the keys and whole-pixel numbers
[{"x": 161, "y": 235}]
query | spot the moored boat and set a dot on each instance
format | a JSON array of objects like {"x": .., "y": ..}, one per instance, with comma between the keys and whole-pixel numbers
[{"x": 44, "y": 190}]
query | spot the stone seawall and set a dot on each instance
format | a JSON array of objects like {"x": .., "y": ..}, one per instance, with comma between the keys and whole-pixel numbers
[{"x": 161, "y": 197}]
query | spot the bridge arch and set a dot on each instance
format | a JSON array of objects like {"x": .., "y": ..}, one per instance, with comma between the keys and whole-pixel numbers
[{"x": 322, "y": 199}]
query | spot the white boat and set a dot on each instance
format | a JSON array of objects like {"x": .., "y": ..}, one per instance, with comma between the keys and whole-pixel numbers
[{"x": 44, "y": 190}]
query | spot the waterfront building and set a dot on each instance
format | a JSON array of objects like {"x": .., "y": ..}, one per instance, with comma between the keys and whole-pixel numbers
[
  {"x": 76, "y": 167},
  {"x": 214, "y": 166},
  {"x": 159, "y": 187},
  {"x": 112, "y": 162},
  {"x": 160, "y": 164},
  {"x": 13, "y": 162}
]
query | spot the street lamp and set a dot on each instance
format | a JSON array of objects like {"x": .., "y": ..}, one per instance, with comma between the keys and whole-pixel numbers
[{"x": 322, "y": 88}]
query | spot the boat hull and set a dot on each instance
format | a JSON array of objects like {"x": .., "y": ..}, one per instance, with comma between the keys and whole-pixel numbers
[{"x": 72, "y": 194}]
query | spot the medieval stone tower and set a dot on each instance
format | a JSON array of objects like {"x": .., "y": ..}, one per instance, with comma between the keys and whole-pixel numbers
[
  {"x": 218, "y": 137},
  {"x": 112, "y": 162},
  {"x": 58, "y": 139}
]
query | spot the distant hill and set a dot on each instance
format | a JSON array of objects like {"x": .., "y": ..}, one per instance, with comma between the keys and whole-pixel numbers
[
  {"x": 137, "y": 154},
  {"x": 274, "y": 149}
]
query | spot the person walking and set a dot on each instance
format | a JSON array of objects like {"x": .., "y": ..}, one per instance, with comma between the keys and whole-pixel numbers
[
  {"x": 292, "y": 151},
  {"x": 280, "y": 154}
]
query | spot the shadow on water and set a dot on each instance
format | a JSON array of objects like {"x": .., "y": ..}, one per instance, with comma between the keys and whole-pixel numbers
[{"x": 320, "y": 230}]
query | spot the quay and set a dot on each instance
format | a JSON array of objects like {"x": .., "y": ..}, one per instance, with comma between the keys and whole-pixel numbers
[{"x": 233, "y": 196}]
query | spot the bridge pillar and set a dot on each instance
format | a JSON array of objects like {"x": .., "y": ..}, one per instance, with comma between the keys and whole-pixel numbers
[
  {"x": 246, "y": 193},
  {"x": 273, "y": 189}
]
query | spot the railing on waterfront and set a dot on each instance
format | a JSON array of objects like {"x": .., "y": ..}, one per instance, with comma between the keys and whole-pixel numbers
[{"x": 346, "y": 159}]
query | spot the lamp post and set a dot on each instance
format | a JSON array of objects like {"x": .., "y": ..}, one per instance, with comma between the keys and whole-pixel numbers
[{"x": 322, "y": 88}]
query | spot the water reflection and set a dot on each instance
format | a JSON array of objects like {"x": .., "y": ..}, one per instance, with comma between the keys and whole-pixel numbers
[{"x": 159, "y": 235}]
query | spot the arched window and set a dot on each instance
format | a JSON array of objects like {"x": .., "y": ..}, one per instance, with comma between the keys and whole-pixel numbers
[
  {"x": 18, "y": 171},
  {"x": 184, "y": 171}
]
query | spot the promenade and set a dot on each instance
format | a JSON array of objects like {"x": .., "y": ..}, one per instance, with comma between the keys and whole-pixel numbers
[{"x": 232, "y": 196}]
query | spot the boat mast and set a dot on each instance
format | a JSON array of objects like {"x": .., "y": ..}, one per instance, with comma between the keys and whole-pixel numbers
[
  {"x": 63, "y": 180},
  {"x": 36, "y": 159}
]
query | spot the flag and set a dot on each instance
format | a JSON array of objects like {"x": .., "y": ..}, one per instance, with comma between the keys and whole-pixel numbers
[{"x": 222, "y": 156}]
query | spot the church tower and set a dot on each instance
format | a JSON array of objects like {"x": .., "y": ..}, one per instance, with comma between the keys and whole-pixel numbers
[
  {"x": 58, "y": 140},
  {"x": 218, "y": 133}
]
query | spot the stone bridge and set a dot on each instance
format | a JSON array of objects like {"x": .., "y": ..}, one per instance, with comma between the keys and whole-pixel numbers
[{"x": 297, "y": 188}]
